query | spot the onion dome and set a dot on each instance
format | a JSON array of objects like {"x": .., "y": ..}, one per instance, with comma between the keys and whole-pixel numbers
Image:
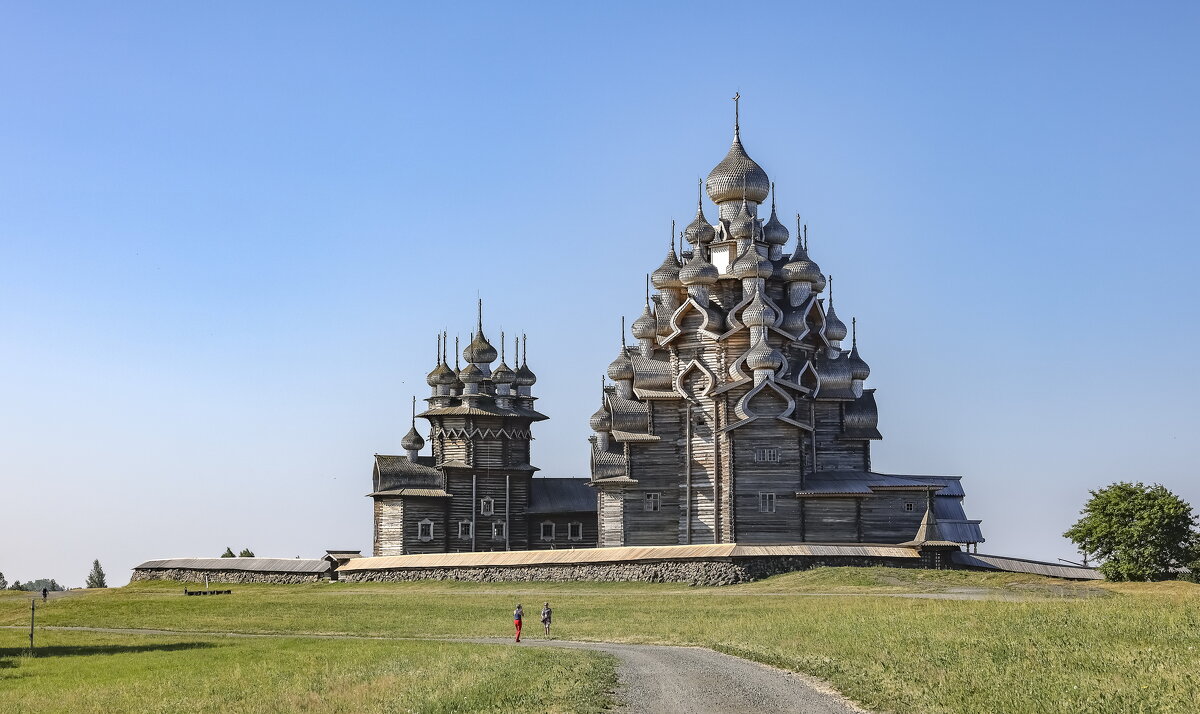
[
  {"x": 859, "y": 369},
  {"x": 621, "y": 368},
  {"x": 834, "y": 374},
  {"x": 480, "y": 351},
  {"x": 737, "y": 175},
  {"x": 525, "y": 376},
  {"x": 759, "y": 313},
  {"x": 412, "y": 441},
  {"x": 700, "y": 231},
  {"x": 698, "y": 271},
  {"x": 441, "y": 374},
  {"x": 774, "y": 232},
  {"x": 742, "y": 226},
  {"x": 470, "y": 374},
  {"x": 835, "y": 329},
  {"x": 667, "y": 275},
  {"x": 503, "y": 374},
  {"x": 645, "y": 327},
  {"x": 752, "y": 265},
  {"x": 862, "y": 414},
  {"x": 764, "y": 356},
  {"x": 801, "y": 269},
  {"x": 601, "y": 420}
]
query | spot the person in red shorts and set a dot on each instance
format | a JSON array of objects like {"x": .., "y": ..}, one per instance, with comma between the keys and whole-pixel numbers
[{"x": 517, "y": 615}]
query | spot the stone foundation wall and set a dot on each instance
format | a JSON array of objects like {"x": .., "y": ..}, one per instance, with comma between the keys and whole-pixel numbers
[
  {"x": 692, "y": 572},
  {"x": 186, "y": 575}
]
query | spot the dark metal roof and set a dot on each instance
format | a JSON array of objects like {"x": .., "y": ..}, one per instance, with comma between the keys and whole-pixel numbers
[
  {"x": 1020, "y": 565},
  {"x": 953, "y": 520},
  {"x": 561, "y": 495},
  {"x": 256, "y": 565}
]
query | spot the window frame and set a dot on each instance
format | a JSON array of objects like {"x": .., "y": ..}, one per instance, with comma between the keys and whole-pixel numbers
[
  {"x": 575, "y": 530},
  {"x": 498, "y": 530},
  {"x": 421, "y": 534},
  {"x": 553, "y": 530},
  {"x": 470, "y": 530},
  {"x": 487, "y": 506},
  {"x": 652, "y": 501},
  {"x": 767, "y": 455},
  {"x": 767, "y": 501},
  {"x": 909, "y": 506}
]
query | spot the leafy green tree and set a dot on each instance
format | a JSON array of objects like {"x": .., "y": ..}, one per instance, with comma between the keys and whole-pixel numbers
[
  {"x": 228, "y": 553},
  {"x": 16, "y": 585},
  {"x": 95, "y": 579},
  {"x": 3, "y": 582},
  {"x": 36, "y": 585},
  {"x": 1138, "y": 532},
  {"x": 246, "y": 553}
]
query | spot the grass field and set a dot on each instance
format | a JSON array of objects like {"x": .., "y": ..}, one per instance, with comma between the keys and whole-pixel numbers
[{"x": 1036, "y": 645}]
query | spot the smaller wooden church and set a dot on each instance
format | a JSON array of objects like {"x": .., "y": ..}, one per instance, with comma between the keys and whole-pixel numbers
[{"x": 476, "y": 491}]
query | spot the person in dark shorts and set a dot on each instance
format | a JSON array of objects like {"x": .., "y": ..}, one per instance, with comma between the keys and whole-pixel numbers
[
  {"x": 45, "y": 594},
  {"x": 517, "y": 615},
  {"x": 546, "y": 613}
]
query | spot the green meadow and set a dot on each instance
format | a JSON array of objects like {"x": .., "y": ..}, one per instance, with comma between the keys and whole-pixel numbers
[{"x": 1017, "y": 644}]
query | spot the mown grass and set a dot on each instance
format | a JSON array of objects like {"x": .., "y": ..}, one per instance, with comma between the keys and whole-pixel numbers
[
  {"x": 1043, "y": 649},
  {"x": 97, "y": 672}
]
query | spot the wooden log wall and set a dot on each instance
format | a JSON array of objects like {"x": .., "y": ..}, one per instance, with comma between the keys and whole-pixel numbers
[
  {"x": 885, "y": 520},
  {"x": 562, "y": 523},
  {"x": 834, "y": 454},
  {"x": 389, "y": 527},
  {"x": 781, "y": 478}
]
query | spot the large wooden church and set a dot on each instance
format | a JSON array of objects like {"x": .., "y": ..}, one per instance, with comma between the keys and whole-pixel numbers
[{"x": 738, "y": 416}]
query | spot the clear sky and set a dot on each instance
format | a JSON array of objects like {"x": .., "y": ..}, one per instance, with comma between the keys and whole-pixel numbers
[{"x": 229, "y": 233}]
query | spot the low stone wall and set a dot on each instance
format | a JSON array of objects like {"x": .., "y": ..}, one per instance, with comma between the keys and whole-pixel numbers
[
  {"x": 188, "y": 575},
  {"x": 729, "y": 571}
]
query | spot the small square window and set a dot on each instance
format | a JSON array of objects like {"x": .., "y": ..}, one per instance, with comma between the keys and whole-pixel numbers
[
  {"x": 766, "y": 454},
  {"x": 425, "y": 530},
  {"x": 464, "y": 530},
  {"x": 652, "y": 502},
  {"x": 547, "y": 530},
  {"x": 910, "y": 506},
  {"x": 498, "y": 530},
  {"x": 487, "y": 506},
  {"x": 766, "y": 502},
  {"x": 575, "y": 531}
]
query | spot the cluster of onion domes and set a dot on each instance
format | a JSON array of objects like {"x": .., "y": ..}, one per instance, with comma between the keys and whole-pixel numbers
[{"x": 750, "y": 264}]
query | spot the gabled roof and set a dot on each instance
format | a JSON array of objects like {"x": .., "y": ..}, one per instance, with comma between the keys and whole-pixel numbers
[
  {"x": 560, "y": 495},
  {"x": 393, "y": 472}
]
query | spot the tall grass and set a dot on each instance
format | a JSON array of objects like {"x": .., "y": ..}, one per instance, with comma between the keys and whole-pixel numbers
[
  {"x": 95, "y": 672},
  {"x": 1123, "y": 649}
]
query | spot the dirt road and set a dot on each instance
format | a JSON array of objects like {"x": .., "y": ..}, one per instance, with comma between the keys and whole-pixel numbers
[{"x": 651, "y": 678}]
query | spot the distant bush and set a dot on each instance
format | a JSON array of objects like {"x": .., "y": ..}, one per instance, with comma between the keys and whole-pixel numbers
[
  {"x": 228, "y": 553},
  {"x": 246, "y": 553}
]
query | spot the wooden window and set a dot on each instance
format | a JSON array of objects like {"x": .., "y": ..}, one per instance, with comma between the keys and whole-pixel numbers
[
  {"x": 575, "y": 531},
  {"x": 766, "y": 502},
  {"x": 766, "y": 454},
  {"x": 425, "y": 530},
  {"x": 497, "y": 530},
  {"x": 487, "y": 506},
  {"x": 651, "y": 502},
  {"x": 464, "y": 530},
  {"x": 910, "y": 506},
  {"x": 547, "y": 530}
]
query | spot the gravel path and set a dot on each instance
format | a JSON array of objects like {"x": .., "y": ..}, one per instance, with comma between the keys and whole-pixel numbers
[{"x": 651, "y": 678}]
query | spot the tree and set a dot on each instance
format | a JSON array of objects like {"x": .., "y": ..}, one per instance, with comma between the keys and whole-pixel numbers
[
  {"x": 246, "y": 553},
  {"x": 16, "y": 585},
  {"x": 1139, "y": 532},
  {"x": 228, "y": 553},
  {"x": 3, "y": 582},
  {"x": 95, "y": 579}
]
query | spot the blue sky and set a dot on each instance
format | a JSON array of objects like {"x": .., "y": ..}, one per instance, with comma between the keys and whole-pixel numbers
[{"x": 229, "y": 234}]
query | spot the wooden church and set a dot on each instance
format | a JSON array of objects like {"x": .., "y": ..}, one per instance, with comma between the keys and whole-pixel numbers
[{"x": 737, "y": 416}]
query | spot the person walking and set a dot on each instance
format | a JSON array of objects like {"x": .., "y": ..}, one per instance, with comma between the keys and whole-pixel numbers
[
  {"x": 517, "y": 616},
  {"x": 45, "y": 594},
  {"x": 546, "y": 613}
]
